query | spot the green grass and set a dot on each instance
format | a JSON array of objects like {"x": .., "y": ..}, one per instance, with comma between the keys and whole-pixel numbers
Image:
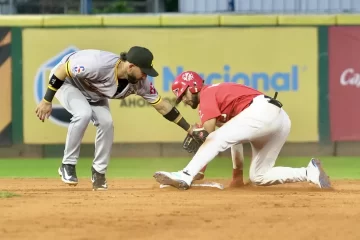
[
  {"x": 8, "y": 195},
  {"x": 336, "y": 167}
]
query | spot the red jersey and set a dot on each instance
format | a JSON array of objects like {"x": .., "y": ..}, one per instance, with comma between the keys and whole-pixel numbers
[{"x": 224, "y": 101}]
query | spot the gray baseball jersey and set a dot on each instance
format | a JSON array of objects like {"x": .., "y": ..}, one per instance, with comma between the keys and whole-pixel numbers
[{"x": 94, "y": 73}]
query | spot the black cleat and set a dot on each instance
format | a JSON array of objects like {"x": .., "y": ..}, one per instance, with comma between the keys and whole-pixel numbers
[
  {"x": 68, "y": 174},
  {"x": 98, "y": 180}
]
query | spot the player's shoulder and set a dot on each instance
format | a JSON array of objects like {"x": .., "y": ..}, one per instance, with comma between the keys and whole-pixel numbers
[
  {"x": 219, "y": 89},
  {"x": 215, "y": 87},
  {"x": 94, "y": 58},
  {"x": 146, "y": 86},
  {"x": 95, "y": 54}
]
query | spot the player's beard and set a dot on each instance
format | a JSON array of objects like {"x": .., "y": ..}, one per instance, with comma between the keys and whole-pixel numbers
[
  {"x": 195, "y": 100},
  {"x": 132, "y": 79}
]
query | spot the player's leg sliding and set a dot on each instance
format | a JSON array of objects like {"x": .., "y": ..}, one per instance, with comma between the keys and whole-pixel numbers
[
  {"x": 317, "y": 175},
  {"x": 265, "y": 154},
  {"x": 313, "y": 173},
  {"x": 267, "y": 137},
  {"x": 180, "y": 180},
  {"x": 183, "y": 178}
]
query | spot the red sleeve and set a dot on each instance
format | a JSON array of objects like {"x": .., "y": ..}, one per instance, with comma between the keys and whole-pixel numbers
[{"x": 209, "y": 107}]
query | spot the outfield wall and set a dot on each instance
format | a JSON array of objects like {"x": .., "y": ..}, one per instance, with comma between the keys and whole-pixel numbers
[{"x": 310, "y": 60}]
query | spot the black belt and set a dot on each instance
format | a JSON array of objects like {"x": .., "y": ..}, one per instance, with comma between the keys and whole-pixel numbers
[{"x": 272, "y": 100}]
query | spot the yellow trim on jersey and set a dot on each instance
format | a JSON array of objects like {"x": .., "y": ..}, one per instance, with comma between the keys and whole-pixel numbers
[
  {"x": 52, "y": 88},
  {"x": 157, "y": 101},
  {"x": 45, "y": 100},
  {"x": 67, "y": 69},
  {"x": 116, "y": 71}
]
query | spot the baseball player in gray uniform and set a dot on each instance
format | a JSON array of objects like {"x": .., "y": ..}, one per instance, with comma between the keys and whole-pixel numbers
[{"x": 83, "y": 81}]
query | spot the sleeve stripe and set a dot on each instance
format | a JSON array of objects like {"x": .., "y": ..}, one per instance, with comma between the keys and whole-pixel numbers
[
  {"x": 52, "y": 88},
  {"x": 178, "y": 119},
  {"x": 67, "y": 69},
  {"x": 157, "y": 101}
]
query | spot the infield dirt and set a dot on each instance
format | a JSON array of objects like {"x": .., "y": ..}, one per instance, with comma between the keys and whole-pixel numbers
[{"x": 139, "y": 209}]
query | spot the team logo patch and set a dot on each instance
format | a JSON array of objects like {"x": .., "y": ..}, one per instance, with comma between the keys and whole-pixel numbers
[
  {"x": 187, "y": 76},
  {"x": 78, "y": 69}
]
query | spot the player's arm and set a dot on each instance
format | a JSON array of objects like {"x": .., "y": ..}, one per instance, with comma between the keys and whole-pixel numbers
[
  {"x": 171, "y": 113},
  {"x": 237, "y": 157},
  {"x": 210, "y": 125},
  {"x": 44, "y": 108},
  {"x": 55, "y": 82}
]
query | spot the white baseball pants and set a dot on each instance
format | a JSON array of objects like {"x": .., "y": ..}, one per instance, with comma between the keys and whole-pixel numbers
[{"x": 266, "y": 127}]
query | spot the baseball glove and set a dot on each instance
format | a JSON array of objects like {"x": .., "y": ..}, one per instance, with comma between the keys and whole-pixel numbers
[
  {"x": 200, "y": 135},
  {"x": 193, "y": 142},
  {"x": 190, "y": 145}
]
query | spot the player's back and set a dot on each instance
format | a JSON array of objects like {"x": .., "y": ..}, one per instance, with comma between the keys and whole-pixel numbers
[
  {"x": 231, "y": 98},
  {"x": 93, "y": 72}
]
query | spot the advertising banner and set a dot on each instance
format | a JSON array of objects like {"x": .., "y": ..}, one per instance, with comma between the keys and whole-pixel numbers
[
  {"x": 285, "y": 62},
  {"x": 344, "y": 85},
  {"x": 5, "y": 89}
]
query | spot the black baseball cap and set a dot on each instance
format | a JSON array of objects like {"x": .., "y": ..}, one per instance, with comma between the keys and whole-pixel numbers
[{"x": 143, "y": 58}]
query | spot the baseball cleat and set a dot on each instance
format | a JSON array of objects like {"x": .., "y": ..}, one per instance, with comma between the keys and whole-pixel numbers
[
  {"x": 179, "y": 180},
  {"x": 98, "y": 180},
  {"x": 67, "y": 173},
  {"x": 317, "y": 175}
]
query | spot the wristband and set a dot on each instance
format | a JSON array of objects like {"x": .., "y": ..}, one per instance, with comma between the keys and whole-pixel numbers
[
  {"x": 183, "y": 124},
  {"x": 54, "y": 84},
  {"x": 172, "y": 115},
  {"x": 49, "y": 95}
]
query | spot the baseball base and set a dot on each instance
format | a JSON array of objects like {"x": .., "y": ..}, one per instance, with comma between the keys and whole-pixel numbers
[{"x": 205, "y": 184}]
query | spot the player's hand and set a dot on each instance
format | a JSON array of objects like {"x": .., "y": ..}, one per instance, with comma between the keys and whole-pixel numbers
[
  {"x": 237, "y": 179},
  {"x": 43, "y": 110}
]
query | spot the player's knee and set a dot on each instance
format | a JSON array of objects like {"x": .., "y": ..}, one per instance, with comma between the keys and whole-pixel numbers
[
  {"x": 83, "y": 116},
  {"x": 106, "y": 124},
  {"x": 257, "y": 179}
]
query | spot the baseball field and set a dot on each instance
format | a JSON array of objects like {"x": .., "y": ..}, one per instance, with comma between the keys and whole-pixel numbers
[{"x": 35, "y": 204}]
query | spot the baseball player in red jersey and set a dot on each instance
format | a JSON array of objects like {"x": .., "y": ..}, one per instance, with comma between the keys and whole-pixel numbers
[{"x": 245, "y": 115}]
